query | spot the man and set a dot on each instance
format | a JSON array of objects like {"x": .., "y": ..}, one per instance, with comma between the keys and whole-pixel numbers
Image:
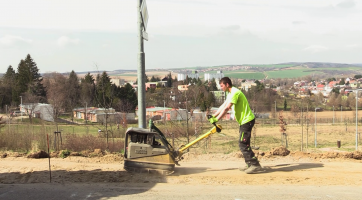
[{"x": 244, "y": 116}]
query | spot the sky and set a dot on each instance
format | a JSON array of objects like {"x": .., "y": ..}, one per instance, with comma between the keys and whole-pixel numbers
[{"x": 98, "y": 35}]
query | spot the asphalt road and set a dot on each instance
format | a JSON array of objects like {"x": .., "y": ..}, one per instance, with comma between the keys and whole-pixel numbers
[{"x": 162, "y": 191}]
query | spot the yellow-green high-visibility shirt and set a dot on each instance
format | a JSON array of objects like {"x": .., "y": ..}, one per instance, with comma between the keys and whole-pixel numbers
[{"x": 241, "y": 108}]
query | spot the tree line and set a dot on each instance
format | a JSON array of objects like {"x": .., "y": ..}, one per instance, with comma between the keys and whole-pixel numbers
[{"x": 64, "y": 92}]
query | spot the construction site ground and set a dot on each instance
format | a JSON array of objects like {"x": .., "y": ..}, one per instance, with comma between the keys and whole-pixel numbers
[{"x": 201, "y": 176}]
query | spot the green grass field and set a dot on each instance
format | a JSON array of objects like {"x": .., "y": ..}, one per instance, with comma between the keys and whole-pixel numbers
[
  {"x": 335, "y": 68},
  {"x": 290, "y": 73},
  {"x": 271, "y": 66},
  {"x": 249, "y": 75}
]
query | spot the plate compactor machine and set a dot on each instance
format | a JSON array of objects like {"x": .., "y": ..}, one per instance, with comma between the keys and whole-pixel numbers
[{"x": 149, "y": 150}]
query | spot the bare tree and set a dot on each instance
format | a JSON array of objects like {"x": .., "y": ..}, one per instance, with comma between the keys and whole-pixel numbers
[
  {"x": 55, "y": 84},
  {"x": 283, "y": 128}
]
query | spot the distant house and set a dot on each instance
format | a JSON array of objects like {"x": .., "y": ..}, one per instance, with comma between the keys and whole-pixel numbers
[
  {"x": 353, "y": 84},
  {"x": 247, "y": 85},
  {"x": 117, "y": 81},
  {"x": 100, "y": 115},
  {"x": 320, "y": 87},
  {"x": 182, "y": 87},
  {"x": 38, "y": 110},
  {"x": 151, "y": 85},
  {"x": 147, "y": 85},
  {"x": 332, "y": 83}
]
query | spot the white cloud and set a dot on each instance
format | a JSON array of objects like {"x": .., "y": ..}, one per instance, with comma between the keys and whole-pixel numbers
[
  {"x": 64, "y": 41},
  {"x": 346, "y": 4},
  {"x": 231, "y": 28},
  {"x": 13, "y": 40},
  {"x": 315, "y": 48},
  {"x": 298, "y": 22},
  {"x": 351, "y": 46},
  {"x": 105, "y": 45}
]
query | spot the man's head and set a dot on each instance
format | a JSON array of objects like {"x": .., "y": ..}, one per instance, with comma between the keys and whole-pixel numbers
[{"x": 225, "y": 83}]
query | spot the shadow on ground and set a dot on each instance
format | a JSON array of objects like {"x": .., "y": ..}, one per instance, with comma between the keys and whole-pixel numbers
[
  {"x": 291, "y": 167},
  {"x": 80, "y": 184},
  {"x": 266, "y": 169}
]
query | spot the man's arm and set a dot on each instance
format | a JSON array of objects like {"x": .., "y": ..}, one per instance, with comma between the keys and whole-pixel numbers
[
  {"x": 220, "y": 109},
  {"x": 223, "y": 111}
]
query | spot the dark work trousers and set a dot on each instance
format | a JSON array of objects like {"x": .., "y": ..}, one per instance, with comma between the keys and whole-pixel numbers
[{"x": 244, "y": 143}]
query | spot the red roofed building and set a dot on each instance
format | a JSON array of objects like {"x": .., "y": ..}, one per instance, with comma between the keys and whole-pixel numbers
[
  {"x": 320, "y": 87},
  {"x": 332, "y": 83}
]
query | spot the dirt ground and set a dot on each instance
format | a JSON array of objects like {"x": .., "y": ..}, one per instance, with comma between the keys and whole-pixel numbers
[
  {"x": 329, "y": 168},
  {"x": 331, "y": 175}
]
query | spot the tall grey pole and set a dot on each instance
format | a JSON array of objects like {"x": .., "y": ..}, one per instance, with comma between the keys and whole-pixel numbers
[
  {"x": 315, "y": 128},
  {"x": 356, "y": 120},
  {"x": 141, "y": 72}
]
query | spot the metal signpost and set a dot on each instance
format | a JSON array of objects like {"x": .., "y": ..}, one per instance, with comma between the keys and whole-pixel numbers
[
  {"x": 141, "y": 72},
  {"x": 357, "y": 119},
  {"x": 315, "y": 127}
]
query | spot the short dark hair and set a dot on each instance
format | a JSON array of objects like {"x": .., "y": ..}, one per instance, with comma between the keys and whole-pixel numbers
[{"x": 225, "y": 80}]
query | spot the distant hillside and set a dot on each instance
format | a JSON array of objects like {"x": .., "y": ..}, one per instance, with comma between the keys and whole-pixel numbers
[{"x": 326, "y": 65}]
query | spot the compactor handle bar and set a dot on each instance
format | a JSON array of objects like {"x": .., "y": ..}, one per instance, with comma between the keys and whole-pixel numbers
[{"x": 215, "y": 129}]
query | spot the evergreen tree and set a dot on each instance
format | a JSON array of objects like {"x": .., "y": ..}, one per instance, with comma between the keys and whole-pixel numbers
[
  {"x": 73, "y": 92},
  {"x": 169, "y": 80},
  {"x": 9, "y": 76},
  {"x": 87, "y": 88},
  {"x": 210, "y": 100},
  {"x": 7, "y": 87},
  {"x": 28, "y": 82},
  {"x": 127, "y": 97},
  {"x": 23, "y": 78},
  {"x": 104, "y": 90},
  {"x": 155, "y": 79},
  {"x": 213, "y": 86},
  {"x": 36, "y": 87}
]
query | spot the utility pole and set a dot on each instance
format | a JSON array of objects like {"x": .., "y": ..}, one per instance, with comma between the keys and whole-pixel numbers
[
  {"x": 141, "y": 72},
  {"x": 315, "y": 128},
  {"x": 187, "y": 121},
  {"x": 356, "y": 120},
  {"x": 301, "y": 145}
]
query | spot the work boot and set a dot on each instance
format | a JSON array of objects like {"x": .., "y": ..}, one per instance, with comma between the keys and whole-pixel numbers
[
  {"x": 243, "y": 168},
  {"x": 253, "y": 169}
]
